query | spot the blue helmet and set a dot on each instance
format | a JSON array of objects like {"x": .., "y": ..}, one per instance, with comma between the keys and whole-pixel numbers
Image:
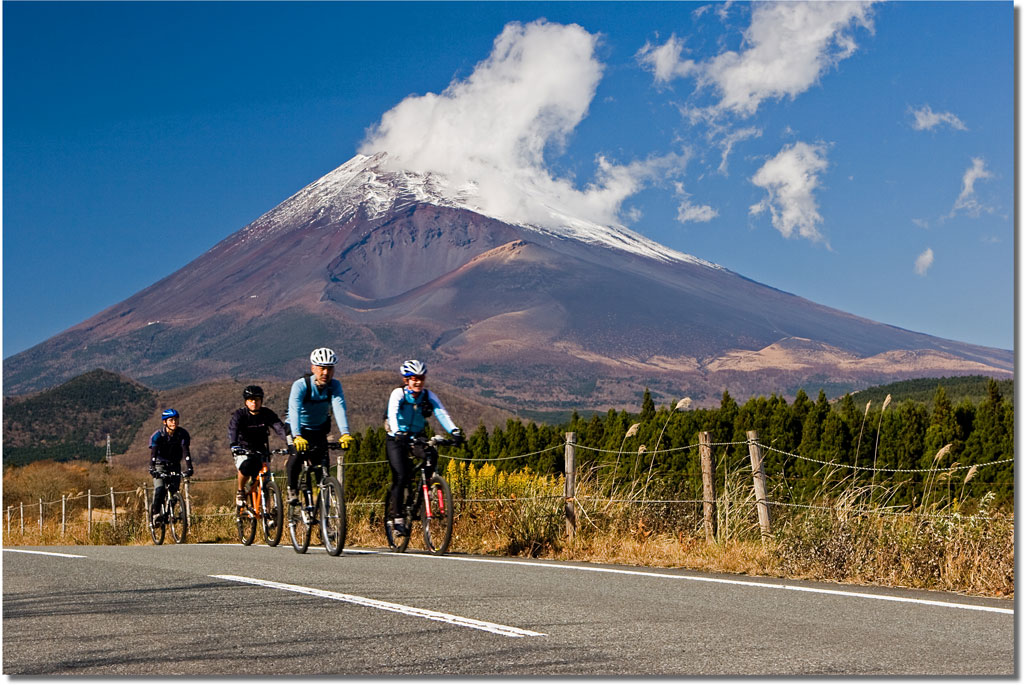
[{"x": 169, "y": 414}]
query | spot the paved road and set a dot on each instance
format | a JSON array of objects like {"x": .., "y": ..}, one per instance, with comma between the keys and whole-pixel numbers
[{"x": 227, "y": 609}]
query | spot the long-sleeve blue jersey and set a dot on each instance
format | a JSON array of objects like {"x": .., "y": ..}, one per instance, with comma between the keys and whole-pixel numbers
[
  {"x": 405, "y": 413},
  {"x": 315, "y": 413}
]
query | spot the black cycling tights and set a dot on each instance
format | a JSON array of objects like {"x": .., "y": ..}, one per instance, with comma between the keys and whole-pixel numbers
[{"x": 401, "y": 468}]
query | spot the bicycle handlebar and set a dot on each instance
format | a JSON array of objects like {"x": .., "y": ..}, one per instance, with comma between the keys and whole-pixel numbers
[{"x": 433, "y": 441}]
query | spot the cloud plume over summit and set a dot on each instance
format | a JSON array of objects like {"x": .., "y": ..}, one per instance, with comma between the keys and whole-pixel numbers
[{"x": 493, "y": 129}]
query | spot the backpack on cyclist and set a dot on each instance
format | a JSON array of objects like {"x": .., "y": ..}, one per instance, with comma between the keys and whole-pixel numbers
[{"x": 309, "y": 390}]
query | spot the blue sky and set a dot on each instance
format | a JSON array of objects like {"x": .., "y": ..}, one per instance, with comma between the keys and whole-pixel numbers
[{"x": 857, "y": 154}]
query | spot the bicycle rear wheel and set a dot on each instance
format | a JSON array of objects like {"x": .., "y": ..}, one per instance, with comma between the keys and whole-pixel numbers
[
  {"x": 177, "y": 518},
  {"x": 157, "y": 530},
  {"x": 299, "y": 520},
  {"x": 333, "y": 523},
  {"x": 437, "y": 524},
  {"x": 273, "y": 515}
]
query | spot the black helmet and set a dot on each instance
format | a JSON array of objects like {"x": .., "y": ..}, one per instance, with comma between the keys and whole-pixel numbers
[{"x": 252, "y": 391}]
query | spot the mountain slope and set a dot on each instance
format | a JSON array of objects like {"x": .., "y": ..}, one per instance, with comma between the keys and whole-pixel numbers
[{"x": 384, "y": 265}]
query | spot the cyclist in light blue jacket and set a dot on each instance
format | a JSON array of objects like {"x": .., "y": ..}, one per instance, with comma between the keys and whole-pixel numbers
[
  {"x": 408, "y": 410},
  {"x": 312, "y": 400}
]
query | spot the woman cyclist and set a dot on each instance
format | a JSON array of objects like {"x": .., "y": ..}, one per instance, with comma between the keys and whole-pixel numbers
[{"x": 408, "y": 409}]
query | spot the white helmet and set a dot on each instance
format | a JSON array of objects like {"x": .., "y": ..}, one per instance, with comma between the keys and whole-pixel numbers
[
  {"x": 413, "y": 367},
  {"x": 323, "y": 356}
]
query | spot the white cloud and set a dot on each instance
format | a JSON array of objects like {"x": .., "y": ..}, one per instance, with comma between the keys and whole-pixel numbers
[
  {"x": 688, "y": 212},
  {"x": 665, "y": 61},
  {"x": 968, "y": 201},
  {"x": 924, "y": 262},
  {"x": 787, "y": 47},
  {"x": 790, "y": 179},
  {"x": 730, "y": 139},
  {"x": 925, "y": 119},
  {"x": 494, "y": 127}
]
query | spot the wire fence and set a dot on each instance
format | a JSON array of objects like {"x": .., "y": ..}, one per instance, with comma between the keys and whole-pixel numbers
[{"x": 132, "y": 498}]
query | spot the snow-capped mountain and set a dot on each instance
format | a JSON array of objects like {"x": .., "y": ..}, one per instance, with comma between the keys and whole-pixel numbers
[
  {"x": 365, "y": 183},
  {"x": 384, "y": 264}
]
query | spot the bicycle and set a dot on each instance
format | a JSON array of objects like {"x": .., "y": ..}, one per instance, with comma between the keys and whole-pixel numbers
[
  {"x": 262, "y": 503},
  {"x": 321, "y": 505},
  {"x": 173, "y": 512},
  {"x": 431, "y": 502}
]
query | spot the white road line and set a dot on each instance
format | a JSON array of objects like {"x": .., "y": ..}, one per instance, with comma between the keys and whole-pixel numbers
[
  {"x": 49, "y": 554},
  {"x": 497, "y": 628},
  {"x": 724, "y": 581}
]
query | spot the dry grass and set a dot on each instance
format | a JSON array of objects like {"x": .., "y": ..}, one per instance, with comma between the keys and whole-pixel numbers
[{"x": 953, "y": 545}]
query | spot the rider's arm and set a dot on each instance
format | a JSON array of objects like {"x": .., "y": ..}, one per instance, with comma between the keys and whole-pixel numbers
[
  {"x": 295, "y": 405},
  {"x": 233, "y": 428},
  {"x": 440, "y": 412},
  {"x": 153, "y": 449},
  {"x": 186, "y": 440},
  {"x": 338, "y": 405},
  {"x": 393, "y": 403}
]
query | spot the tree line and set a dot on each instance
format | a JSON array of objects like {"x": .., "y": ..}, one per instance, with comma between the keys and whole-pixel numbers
[{"x": 906, "y": 435}]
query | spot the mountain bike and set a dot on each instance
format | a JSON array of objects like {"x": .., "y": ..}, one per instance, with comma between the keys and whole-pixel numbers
[
  {"x": 429, "y": 500},
  {"x": 262, "y": 503},
  {"x": 173, "y": 512},
  {"x": 321, "y": 506}
]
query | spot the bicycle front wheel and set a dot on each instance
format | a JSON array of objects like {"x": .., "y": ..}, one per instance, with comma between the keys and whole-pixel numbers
[
  {"x": 177, "y": 518},
  {"x": 156, "y": 530},
  {"x": 333, "y": 523},
  {"x": 273, "y": 514},
  {"x": 246, "y": 520},
  {"x": 299, "y": 519},
  {"x": 438, "y": 515}
]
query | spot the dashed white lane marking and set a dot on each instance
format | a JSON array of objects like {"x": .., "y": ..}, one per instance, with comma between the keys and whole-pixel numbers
[
  {"x": 48, "y": 554},
  {"x": 724, "y": 581},
  {"x": 497, "y": 628}
]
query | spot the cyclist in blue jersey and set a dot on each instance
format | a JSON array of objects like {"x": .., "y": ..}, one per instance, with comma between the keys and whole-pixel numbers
[
  {"x": 167, "y": 447},
  {"x": 312, "y": 400},
  {"x": 408, "y": 410}
]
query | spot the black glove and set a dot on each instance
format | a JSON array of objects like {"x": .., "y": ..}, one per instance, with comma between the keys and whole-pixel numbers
[
  {"x": 154, "y": 473},
  {"x": 458, "y": 436},
  {"x": 189, "y": 471}
]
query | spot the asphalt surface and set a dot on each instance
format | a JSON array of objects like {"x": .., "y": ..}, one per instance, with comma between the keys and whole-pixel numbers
[{"x": 214, "y": 610}]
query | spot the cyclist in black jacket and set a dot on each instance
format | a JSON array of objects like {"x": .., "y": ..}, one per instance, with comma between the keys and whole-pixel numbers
[
  {"x": 167, "y": 447},
  {"x": 248, "y": 431}
]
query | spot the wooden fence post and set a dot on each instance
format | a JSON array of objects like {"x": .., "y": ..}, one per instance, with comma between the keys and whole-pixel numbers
[
  {"x": 760, "y": 491},
  {"x": 113, "y": 507},
  {"x": 570, "y": 485},
  {"x": 40, "y": 515},
  {"x": 707, "y": 472},
  {"x": 8, "y": 519},
  {"x": 21, "y": 506},
  {"x": 88, "y": 525},
  {"x": 63, "y": 516}
]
